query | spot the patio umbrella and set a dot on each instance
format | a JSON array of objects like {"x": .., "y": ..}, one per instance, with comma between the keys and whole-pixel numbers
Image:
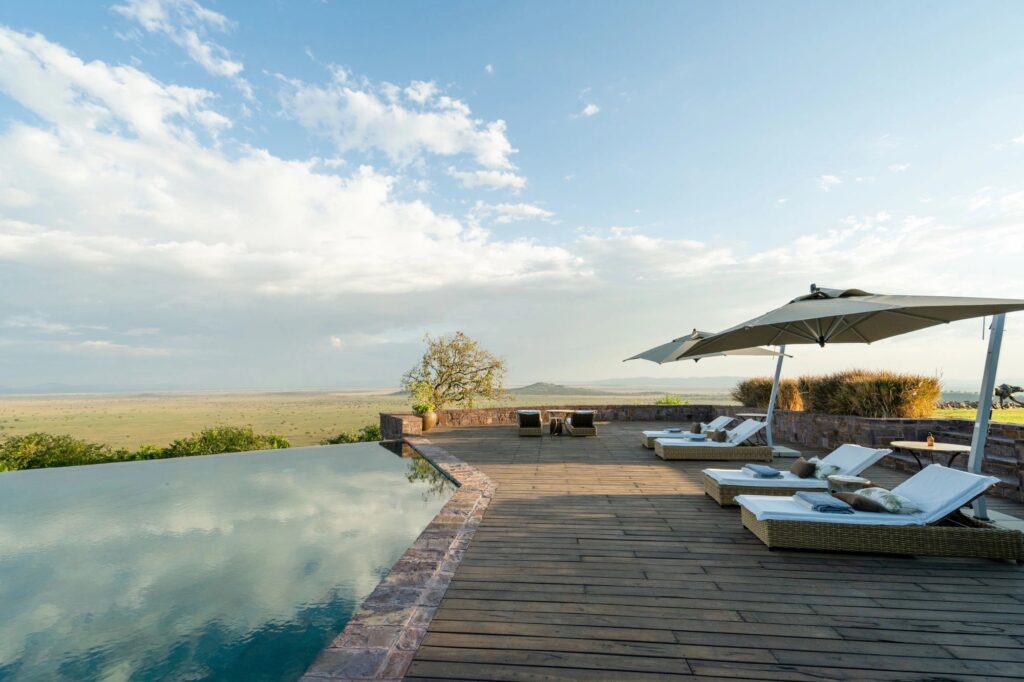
[
  {"x": 674, "y": 349},
  {"x": 856, "y": 316}
]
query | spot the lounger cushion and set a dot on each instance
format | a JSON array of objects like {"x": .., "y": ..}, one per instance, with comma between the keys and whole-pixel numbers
[
  {"x": 853, "y": 459},
  {"x": 738, "y": 477},
  {"x": 802, "y": 468},
  {"x": 940, "y": 491},
  {"x": 890, "y": 501},
  {"x": 860, "y": 502},
  {"x": 529, "y": 418},
  {"x": 766, "y": 507}
]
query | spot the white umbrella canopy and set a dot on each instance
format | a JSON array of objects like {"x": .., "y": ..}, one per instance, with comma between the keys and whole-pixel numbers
[
  {"x": 849, "y": 316},
  {"x": 673, "y": 350},
  {"x": 856, "y": 316}
]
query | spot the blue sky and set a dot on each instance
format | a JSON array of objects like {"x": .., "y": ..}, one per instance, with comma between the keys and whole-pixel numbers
[{"x": 289, "y": 194}]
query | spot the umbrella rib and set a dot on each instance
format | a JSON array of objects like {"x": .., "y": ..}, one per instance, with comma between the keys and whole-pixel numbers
[
  {"x": 777, "y": 335},
  {"x": 832, "y": 327},
  {"x": 851, "y": 325},
  {"x": 795, "y": 331}
]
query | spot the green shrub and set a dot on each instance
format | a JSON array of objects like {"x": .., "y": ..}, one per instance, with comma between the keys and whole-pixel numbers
[
  {"x": 671, "y": 400},
  {"x": 224, "y": 439},
  {"x": 369, "y": 433},
  {"x": 871, "y": 394},
  {"x": 757, "y": 392},
  {"x": 39, "y": 450}
]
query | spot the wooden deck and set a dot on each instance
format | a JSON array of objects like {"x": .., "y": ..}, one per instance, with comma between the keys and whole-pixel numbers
[{"x": 598, "y": 561}]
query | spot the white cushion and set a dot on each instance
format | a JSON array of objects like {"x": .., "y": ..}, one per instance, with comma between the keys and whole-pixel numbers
[
  {"x": 822, "y": 469},
  {"x": 695, "y": 443},
  {"x": 786, "y": 480},
  {"x": 773, "y": 508},
  {"x": 744, "y": 431},
  {"x": 716, "y": 423},
  {"x": 853, "y": 459},
  {"x": 528, "y": 411},
  {"x": 673, "y": 434},
  {"x": 940, "y": 491},
  {"x": 893, "y": 502}
]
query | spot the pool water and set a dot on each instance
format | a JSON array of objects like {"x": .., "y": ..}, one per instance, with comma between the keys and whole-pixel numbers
[{"x": 226, "y": 567}]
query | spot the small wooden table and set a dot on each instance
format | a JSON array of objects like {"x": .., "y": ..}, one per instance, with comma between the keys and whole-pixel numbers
[
  {"x": 556, "y": 425},
  {"x": 916, "y": 447}
]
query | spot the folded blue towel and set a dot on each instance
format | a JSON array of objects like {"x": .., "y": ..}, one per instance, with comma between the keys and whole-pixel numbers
[
  {"x": 762, "y": 471},
  {"x": 823, "y": 502}
]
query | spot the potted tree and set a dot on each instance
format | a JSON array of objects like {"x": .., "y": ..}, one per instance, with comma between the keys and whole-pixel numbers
[
  {"x": 423, "y": 405},
  {"x": 454, "y": 371}
]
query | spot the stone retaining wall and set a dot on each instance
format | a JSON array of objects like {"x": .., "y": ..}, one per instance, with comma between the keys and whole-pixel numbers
[{"x": 395, "y": 426}]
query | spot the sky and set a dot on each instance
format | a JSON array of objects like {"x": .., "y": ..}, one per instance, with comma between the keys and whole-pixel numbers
[{"x": 286, "y": 195}]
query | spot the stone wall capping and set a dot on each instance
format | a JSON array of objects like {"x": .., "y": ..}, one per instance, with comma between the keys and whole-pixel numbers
[{"x": 379, "y": 641}]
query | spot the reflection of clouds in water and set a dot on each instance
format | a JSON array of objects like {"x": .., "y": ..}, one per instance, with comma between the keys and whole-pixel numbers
[{"x": 144, "y": 555}]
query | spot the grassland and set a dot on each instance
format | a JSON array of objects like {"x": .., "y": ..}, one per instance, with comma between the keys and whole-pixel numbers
[
  {"x": 1000, "y": 416},
  {"x": 304, "y": 418}
]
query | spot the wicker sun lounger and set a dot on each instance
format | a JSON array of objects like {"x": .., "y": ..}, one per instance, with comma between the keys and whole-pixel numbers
[
  {"x": 529, "y": 423},
  {"x": 712, "y": 452},
  {"x": 938, "y": 530},
  {"x": 730, "y": 450},
  {"x": 581, "y": 423},
  {"x": 647, "y": 438},
  {"x": 723, "y": 485}
]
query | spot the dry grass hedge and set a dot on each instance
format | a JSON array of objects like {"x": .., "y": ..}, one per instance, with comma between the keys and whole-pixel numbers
[
  {"x": 856, "y": 392},
  {"x": 871, "y": 394},
  {"x": 757, "y": 391}
]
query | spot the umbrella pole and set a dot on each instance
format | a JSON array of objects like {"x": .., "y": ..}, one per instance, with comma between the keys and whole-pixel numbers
[
  {"x": 775, "y": 394},
  {"x": 988, "y": 384}
]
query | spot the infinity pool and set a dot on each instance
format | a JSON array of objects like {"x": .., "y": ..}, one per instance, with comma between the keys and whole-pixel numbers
[{"x": 227, "y": 567}]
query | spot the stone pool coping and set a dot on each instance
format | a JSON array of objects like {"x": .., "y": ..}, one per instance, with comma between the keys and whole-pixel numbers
[{"x": 379, "y": 642}]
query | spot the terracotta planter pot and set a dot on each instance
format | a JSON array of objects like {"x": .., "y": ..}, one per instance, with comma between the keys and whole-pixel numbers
[{"x": 429, "y": 420}]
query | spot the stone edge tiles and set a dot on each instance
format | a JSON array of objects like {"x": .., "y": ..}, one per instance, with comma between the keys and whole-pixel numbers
[{"x": 379, "y": 642}]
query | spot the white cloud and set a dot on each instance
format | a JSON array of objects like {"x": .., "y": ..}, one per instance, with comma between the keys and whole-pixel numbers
[
  {"x": 104, "y": 346},
  {"x": 510, "y": 213},
  {"x": 186, "y": 22},
  {"x": 980, "y": 199},
  {"x": 494, "y": 179},
  {"x": 421, "y": 91},
  {"x": 83, "y": 98},
  {"x": 403, "y": 124},
  {"x": 1018, "y": 140},
  {"x": 827, "y": 182},
  {"x": 37, "y": 322},
  {"x": 589, "y": 110},
  {"x": 489, "y": 69},
  {"x": 899, "y": 167},
  {"x": 358, "y": 339},
  {"x": 137, "y": 196}
]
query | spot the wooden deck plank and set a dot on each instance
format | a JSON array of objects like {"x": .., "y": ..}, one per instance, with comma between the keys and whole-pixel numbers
[{"x": 596, "y": 560}]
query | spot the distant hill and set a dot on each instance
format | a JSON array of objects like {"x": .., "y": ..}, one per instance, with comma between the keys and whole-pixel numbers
[{"x": 545, "y": 388}]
